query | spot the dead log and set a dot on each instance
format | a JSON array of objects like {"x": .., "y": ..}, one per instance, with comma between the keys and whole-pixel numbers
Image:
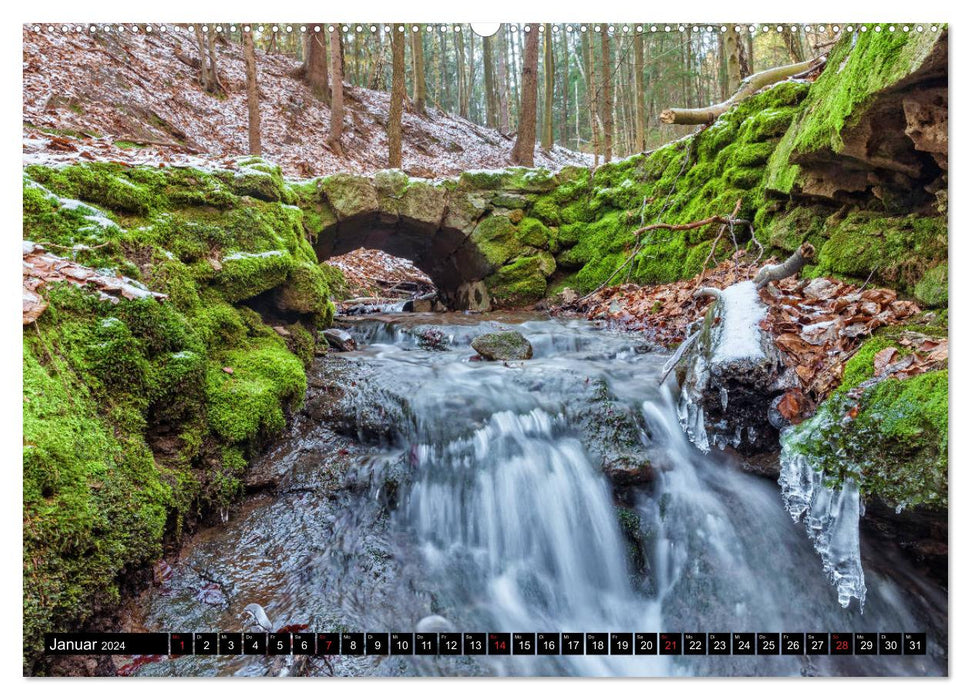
[
  {"x": 749, "y": 86},
  {"x": 792, "y": 265},
  {"x": 731, "y": 373}
]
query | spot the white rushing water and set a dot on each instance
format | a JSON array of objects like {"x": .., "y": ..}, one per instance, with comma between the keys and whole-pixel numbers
[{"x": 502, "y": 520}]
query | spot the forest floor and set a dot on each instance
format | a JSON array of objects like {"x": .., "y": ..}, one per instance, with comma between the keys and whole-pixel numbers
[{"x": 129, "y": 98}]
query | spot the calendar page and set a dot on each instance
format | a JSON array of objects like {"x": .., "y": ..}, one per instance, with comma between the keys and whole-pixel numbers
[{"x": 516, "y": 349}]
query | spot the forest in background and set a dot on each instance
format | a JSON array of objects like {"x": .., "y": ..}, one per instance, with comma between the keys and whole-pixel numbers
[{"x": 601, "y": 86}]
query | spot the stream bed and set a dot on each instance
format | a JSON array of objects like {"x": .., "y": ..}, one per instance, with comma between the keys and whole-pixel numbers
[{"x": 419, "y": 482}]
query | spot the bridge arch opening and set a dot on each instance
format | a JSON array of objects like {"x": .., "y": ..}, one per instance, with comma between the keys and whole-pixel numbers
[{"x": 453, "y": 262}]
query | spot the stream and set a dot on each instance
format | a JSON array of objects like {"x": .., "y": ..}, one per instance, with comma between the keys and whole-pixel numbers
[{"x": 418, "y": 482}]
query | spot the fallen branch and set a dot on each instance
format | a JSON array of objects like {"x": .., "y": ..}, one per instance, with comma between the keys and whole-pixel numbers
[
  {"x": 749, "y": 86},
  {"x": 707, "y": 292},
  {"x": 792, "y": 265},
  {"x": 726, "y": 220}
]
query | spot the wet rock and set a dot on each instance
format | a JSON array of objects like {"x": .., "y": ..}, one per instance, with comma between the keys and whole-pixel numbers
[
  {"x": 506, "y": 345},
  {"x": 430, "y": 338},
  {"x": 340, "y": 339},
  {"x": 629, "y": 469}
]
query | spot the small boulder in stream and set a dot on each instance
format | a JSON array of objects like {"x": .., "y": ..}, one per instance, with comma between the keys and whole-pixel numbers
[
  {"x": 340, "y": 339},
  {"x": 505, "y": 345}
]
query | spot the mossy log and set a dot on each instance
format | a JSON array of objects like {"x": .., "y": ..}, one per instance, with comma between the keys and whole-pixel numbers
[{"x": 750, "y": 86}]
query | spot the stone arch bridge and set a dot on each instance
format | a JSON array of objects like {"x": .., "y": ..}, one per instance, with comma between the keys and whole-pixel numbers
[{"x": 470, "y": 235}]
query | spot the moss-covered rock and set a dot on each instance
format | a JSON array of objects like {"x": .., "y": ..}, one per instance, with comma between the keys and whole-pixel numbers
[
  {"x": 305, "y": 291},
  {"x": 521, "y": 282},
  {"x": 892, "y": 439},
  {"x": 495, "y": 237},
  {"x": 504, "y": 345},
  {"x": 140, "y": 415}
]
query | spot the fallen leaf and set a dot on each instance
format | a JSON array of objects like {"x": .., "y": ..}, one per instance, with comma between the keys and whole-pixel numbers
[{"x": 882, "y": 359}]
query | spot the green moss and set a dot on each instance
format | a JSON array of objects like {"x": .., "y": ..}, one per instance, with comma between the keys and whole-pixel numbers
[
  {"x": 858, "y": 69},
  {"x": 860, "y": 366},
  {"x": 899, "y": 251},
  {"x": 247, "y": 274},
  {"x": 305, "y": 290},
  {"x": 104, "y": 184},
  {"x": 495, "y": 237},
  {"x": 895, "y": 446},
  {"x": 547, "y": 210},
  {"x": 520, "y": 282},
  {"x": 932, "y": 288},
  {"x": 250, "y": 402},
  {"x": 259, "y": 179},
  {"x": 533, "y": 232}
]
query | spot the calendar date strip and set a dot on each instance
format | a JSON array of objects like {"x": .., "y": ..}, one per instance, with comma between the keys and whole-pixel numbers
[{"x": 488, "y": 643}]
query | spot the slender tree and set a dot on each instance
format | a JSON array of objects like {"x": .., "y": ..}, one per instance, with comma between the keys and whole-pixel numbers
[
  {"x": 316, "y": 62},
  {"x": 592, "y": 100},
  {"x": 397, "y": 95},
  {"x": 503, "y": 96},
  {"x": 793, "y": 45},
  {"x": 488, "y": 63},
  {"x": 608, "y": 93},
  {"x": 522, "y": 152},
  {"x": 337, "y": 93},
  {"x": 734, "y": 51},
  {"x": 460, "y": 62},
  {"x": 640, "y": 139},
  {"x": 549, "y": 72},
  {"x": 418, "y": 61},
  {"x": 252, "y": 93}
]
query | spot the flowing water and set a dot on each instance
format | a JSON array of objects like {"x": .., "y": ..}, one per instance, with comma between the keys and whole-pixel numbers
[{"x": 474, "y": 490}]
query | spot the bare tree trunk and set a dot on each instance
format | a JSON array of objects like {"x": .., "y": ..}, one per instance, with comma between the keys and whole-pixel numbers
[
  {"x": 442, "y": 63},
  {"x": 522, "y": 152},
  {"x": 608, "y": 93},
  {"x": 734, "y": 53},
  {"x": 463, "y": 75},
  {"x": 748, "y": 56},
  {"x": 592, "y": 101},
  {"x": 490, "y": 83},
  {"x": 503, "y": 83},
  {"x": 252, "y": 94},
  {"x": 640, "y": 139},
  {"x": 397, "y": 95},
  {"x": 473, "y": 105},
  {"x": 722, "y": 68},
  {"x": 376, "y": 72},
  {"x": 565, "y": 86},
  {"x": 204, "y": 78},
  {"x": 793, "y": 46},
  {"x": 549, "y": 71},
  {"x": 317, "y": 77},
  {"x": 418, "y": 61},
  {"x": 213, "y": 67},
  {"x": 337, "y": 93}
]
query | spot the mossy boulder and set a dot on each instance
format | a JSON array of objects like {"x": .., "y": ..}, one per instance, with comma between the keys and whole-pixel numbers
[
  {"x": 255, "y": 177},
  {"x": 244, "y": 275},
  {"x": 523, "y": 281},
  {"x": 495, "y": 237},
  {"x": 505, "y": 345},
  {"x": 305, "y": 291},
  {"x": 892, "y": 439}
]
